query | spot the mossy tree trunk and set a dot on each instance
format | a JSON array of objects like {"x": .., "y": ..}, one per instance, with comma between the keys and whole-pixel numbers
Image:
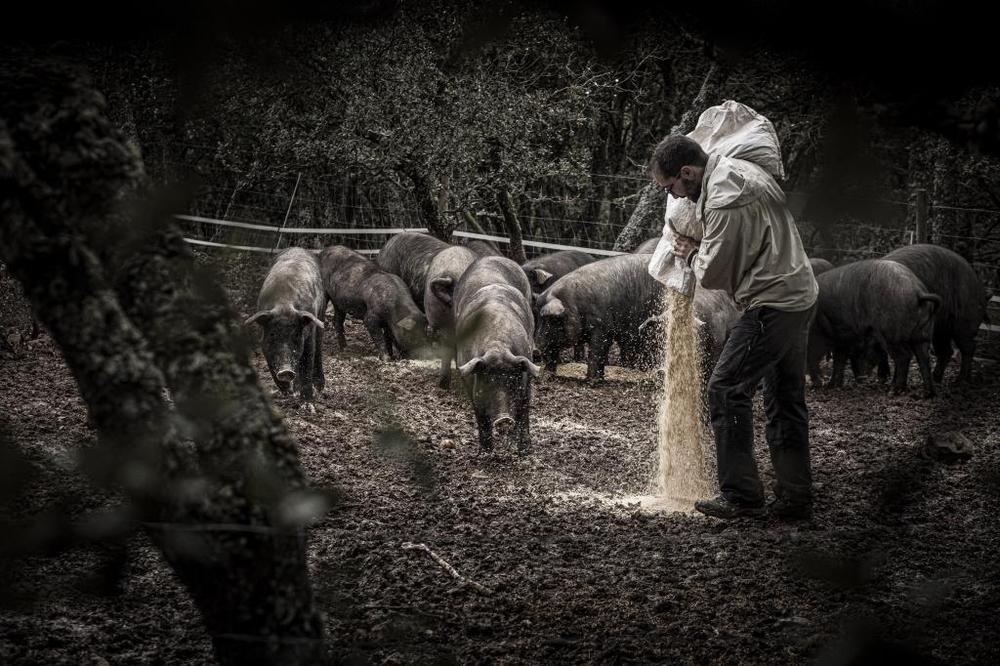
[
  {"x": 512, "y": 224},
  {"x": 135, "y": 319}
]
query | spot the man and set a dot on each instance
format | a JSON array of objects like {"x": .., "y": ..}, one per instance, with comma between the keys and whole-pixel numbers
[{"x": 751, "y": 249}]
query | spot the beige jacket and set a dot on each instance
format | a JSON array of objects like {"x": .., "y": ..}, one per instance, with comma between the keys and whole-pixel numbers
[{"x": 751, "y": 247}]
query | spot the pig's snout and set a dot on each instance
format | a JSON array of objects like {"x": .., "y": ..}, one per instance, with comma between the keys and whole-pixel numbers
[
  {"x": 285, "y": 375},
  {"x": 503, "y": 424}
]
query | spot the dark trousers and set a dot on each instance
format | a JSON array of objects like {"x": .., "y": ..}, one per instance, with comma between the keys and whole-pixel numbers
[{"x": 766, "y": 346}]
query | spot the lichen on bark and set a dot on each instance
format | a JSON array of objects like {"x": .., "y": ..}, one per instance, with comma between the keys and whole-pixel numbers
[{"x": 131, "y": 322}]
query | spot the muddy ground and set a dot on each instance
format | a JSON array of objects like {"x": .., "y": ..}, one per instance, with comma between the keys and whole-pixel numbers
[{"x": 555, "y": 565}]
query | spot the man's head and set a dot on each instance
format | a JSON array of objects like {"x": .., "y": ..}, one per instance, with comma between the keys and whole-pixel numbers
[{"x": 678, "y": 164}]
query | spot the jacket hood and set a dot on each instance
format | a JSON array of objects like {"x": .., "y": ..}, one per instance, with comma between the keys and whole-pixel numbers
[{"x": 733, "y": 183}]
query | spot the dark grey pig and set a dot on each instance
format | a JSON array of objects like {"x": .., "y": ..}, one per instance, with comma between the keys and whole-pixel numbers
[
  {"x": 494, "y": 327},
  {"x": 820, "y": 265},
  {"x": 290, "y": 310},
  {"x": 873, "y": 302},
  {"x": 647, "y": 246},
  {"x": 443, "y": 274},
  {"x": 715, "y": 315},
  {"x": 599, "y": 303},
  {"x": 409, "y": 255},
  {"x": 357, "y": 287},
  {"x": 482, "y": 247},
  {"x": 543, "y": 271},
  {"x": 963, "y": 301}
]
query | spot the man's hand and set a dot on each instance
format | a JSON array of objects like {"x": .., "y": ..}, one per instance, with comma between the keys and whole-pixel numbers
[{"x": 684, "y": 246}]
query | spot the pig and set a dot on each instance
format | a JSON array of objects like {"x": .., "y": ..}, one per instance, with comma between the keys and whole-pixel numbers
[
  {"x": 443, "y": 274},
  {"x": 715, "y": 315},
  {"x": 543, "y": 271},
  {"x": 858, "y": 364},
  {"x": 873, "y": 301},
  {"x": 820, "y": 265},
  {"x": 481, "y": 247},
  {"x": 357, "y": 287},
  {"x": 600, "y": 303},
  {"x": 290, "y": 310},
  {"x": 493, "y": 333},
  {"x": 647, "y": 246},
  {"x": 963, "y": 301},
  {"x": 409, "y": 255}
]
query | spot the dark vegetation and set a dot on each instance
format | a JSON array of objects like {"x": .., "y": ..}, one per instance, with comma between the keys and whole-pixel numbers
[{"x": 159, "y": 507}]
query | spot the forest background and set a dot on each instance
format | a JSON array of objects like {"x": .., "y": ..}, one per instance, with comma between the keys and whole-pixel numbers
[{"x": 535, "y": 121}]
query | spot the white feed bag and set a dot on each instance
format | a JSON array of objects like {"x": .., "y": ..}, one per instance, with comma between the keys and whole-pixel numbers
[{"x": 731, "y": 129}]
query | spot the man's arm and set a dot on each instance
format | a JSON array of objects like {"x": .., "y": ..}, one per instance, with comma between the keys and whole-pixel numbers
[{"x": 731, "y": 244}]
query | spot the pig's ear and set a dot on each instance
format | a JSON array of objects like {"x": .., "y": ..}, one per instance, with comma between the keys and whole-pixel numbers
[
  {"x": 526, "y": 364},
  {"x": 260, "y": 317},
  {"x": 309, "y": 316},
  {"x": 443, "y": 287},
  {"x": 542, "y": 276},
  {"x": 554, "y": 308},
  {"x": 470, "y": 367}
]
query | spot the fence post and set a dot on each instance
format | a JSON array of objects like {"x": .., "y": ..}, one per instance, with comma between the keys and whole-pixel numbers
[{"x": 921, "y": 206}]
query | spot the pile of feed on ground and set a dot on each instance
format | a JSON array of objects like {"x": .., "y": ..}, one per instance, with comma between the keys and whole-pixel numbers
[{"x": 551, "y": 561}]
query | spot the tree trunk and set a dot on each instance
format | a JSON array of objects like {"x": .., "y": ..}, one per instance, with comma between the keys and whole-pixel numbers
[
  {"x": 648, "y": 214},
  {"x": 512, "y": 224},
  {"x": 62, "y": 168},
  {"x": 427, "y": 205},
  {"x": 471, "y": 222},
  {"x": 706, "y": 97},
  {"x": 943, "y": 225}
]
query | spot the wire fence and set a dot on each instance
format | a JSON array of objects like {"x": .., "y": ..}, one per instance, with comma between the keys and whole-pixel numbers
[
  {"x": 323, "y": 212},
  {"x": 247, "y": 213}
]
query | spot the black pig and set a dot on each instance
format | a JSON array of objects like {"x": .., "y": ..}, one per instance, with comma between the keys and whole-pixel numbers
[
  {"x": 820, "y": 265},
  {"x": 290, "y": 310},
  {"x": 482, "y": 247},
  {"x": 543, "y": 271},
  {"x": 715, "y": 315},
  {"x": 963, "y": 301},
  {"x": 869, "y": 302},
  {"x": 599, "y": 303},
  {"x": 647, "y": 246},
  {"x": 494, "y": 330},
  {"x": 357, "y": 287},
  {"x": 409, "y": 255},
  {"x": 443, "y": 274}
]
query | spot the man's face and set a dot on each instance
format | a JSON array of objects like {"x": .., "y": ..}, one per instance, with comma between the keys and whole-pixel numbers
[
  {"x": 690, "y": 185},
  {"x": 687, "y": 183}
]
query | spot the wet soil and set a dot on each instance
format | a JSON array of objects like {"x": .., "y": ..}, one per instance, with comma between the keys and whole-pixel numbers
[{"x": 547, "y": 559}]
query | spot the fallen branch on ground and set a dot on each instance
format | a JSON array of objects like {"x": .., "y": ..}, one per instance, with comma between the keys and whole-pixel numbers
[{"x": 447, "y": 567}]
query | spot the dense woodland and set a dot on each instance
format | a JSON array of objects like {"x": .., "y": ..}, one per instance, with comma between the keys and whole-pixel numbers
[
  {"x": 530, "y": 122},
  {"x": 537, "y": 123}
]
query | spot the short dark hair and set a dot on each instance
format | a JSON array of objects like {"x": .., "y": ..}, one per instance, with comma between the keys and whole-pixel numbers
[{"x": 676, "y": 151}]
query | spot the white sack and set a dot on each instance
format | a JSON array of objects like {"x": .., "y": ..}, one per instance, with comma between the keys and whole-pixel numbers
[{"x": 732, "y": 129}]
